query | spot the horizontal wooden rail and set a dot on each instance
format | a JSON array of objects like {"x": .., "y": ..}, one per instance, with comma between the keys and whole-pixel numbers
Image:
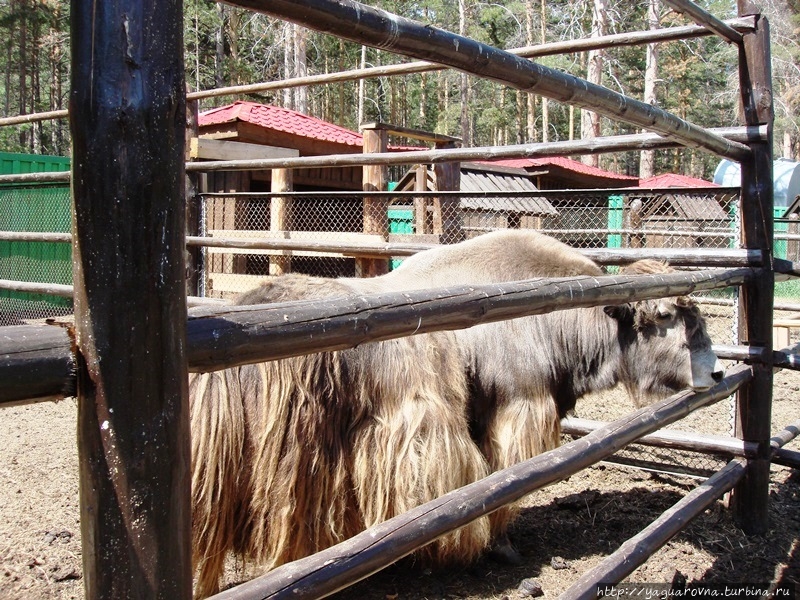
[
  {"x": 786, "y": 358},
  {"x": 640, "y": 547},
  {"x": 36, "y": 236},
  {"x": 667, "y": 438},
  {"x": 381, "y": 29},
  {"x": 33, "y": 287},
  {"x": 634, "y": 38},
  {"x": 714, "y": 257},
  {"x": 36, "y": 362},
  {"x": 366, "y": 553},
  {"x": 220, "y": 337},
  {"x": 225, "y": 337},
  {"x": 619, "y": 143}
]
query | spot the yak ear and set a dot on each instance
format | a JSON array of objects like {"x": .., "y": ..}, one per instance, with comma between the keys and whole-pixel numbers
[{"x": 622, "y": 313}]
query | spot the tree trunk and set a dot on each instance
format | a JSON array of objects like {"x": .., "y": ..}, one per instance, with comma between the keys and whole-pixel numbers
[
  {"x": 530, "y": 98},
  {"x": 545, "y": 106},
  {"x": 288, "y": 67},
  {"x": 300, "y": 68},
  {"x": 465, "y": 95},
  {"x": 647, "y": 160},
  {"x": 590, "y": 121},
  {"x": 23, "y": 68},
  {"x": 219, "y": 55}
]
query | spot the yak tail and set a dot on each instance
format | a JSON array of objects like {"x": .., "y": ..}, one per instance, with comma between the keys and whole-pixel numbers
[{"x": 218, "y": 429}]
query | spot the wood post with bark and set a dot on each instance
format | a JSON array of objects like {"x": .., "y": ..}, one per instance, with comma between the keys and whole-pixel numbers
[
  {"x": 751, "y": 496},
  {"x": 127, "y": 118},
  {"x": 376, "y": 214},
  {"x": 280, "y": 216}
]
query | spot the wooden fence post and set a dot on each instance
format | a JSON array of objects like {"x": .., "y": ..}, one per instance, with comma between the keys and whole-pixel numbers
[
  {"x": 447, "y": 220},
  {"x": 127, "y": 119},
  {"x": 194, "y": 256},
  {"x": 376, "y": 215},
  {"x": 750, "y": 498},
  {"x": 280, "y": 217}
]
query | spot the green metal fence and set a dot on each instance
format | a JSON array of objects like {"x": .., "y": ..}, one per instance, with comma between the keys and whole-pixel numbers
[{"x": 34, "y": 208}]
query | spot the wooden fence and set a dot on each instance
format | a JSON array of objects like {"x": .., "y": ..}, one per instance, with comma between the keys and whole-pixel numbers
[{"x": 132, "y": 342}]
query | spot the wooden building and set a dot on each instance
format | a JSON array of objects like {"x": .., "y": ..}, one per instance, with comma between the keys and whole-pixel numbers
[
  {"x": 504, "y": 198},
  {"x": 248, "y": 130},
  {"x": 688, "y": 210}
]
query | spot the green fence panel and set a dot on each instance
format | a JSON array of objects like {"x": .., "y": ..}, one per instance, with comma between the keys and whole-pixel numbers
[
  {"x": 401, "y": 220},
  {"x": 615, "y": 219},
  {"x": 34, "y": 208}
]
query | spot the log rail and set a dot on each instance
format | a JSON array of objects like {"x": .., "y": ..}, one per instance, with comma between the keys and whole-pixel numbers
[{"x": 221, "y": 337}]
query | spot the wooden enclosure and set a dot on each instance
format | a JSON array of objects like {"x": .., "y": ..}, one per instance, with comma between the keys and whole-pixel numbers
[{"x": 133, "y": 342}]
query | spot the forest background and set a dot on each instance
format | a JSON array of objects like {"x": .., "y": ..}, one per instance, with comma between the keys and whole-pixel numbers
[{"x": 695, "y": 79}]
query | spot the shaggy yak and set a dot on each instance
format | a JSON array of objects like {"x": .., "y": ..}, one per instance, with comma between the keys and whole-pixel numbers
[{"x": 295, "y": 455}]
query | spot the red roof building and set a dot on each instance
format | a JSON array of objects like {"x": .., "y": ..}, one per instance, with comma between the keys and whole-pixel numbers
[
  {"x": 560, "y": 172},
  {"x": 276, "y": 126},
  {"x": 670, "y": 180}
]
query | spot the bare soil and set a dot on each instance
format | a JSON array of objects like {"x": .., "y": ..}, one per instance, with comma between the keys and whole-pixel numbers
[{"x": 564, "y": 529}]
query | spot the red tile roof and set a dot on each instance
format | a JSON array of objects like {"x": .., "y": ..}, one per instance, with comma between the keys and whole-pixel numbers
[
  {"x": 281, "y": 119},
  {"x": 668, "y": 180},
  {"x": 286, "y": 121},
  {"x": 564, "y": 163}
]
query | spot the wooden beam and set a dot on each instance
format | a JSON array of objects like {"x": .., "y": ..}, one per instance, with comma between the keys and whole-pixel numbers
[
  {"x": 375, "y": 209},
  {"x": 408, "y": 132},
  {"x": 231, "y": 336},
  {"x": 639, "y": 548},
  {"x": 221, "y": 337},
  {"x": 366, "y": 553},
  {"x": 280, "y": 216},
  {"x": 378, "y": 28},
  {"x": 667, "y": 438},
  {"x": 706, "y": 19},
  {"x": 210, "y": 149},
  {"x": 620, "y": 143},
  {"x": 128, "y": 126},
  {"x": 750, "y": 499},
  {"x": 36, "y": 361}
]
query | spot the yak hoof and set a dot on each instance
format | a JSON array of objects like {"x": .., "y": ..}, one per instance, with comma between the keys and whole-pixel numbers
[{"x": 504, "y": 552}]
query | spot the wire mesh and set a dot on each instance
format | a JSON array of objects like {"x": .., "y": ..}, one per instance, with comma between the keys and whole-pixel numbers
[
  {"x": 35, "y": 209},
  {"x": 329, "y": 225}
]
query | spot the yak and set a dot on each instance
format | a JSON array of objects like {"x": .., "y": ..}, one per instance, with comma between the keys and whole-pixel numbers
[{"x": 292, "y": 456}]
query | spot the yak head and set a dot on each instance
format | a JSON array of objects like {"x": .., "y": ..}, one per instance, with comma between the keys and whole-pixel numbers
[{"x": 665, "y": 346}]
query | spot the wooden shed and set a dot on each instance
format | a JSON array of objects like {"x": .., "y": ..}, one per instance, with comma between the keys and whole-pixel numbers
[
  {"x": 504, "y": 198},
  {"x": 687, "y": 209},
  {"x": 248, "y": 130}
]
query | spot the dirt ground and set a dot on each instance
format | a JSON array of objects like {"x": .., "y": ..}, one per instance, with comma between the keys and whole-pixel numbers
[{"x": 564, "y": 529}]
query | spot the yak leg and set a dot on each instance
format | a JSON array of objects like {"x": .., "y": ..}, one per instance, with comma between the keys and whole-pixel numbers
[{"x": 518, "y": 429}]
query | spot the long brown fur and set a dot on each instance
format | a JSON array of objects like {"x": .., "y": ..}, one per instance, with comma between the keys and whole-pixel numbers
[{"x": 293, "y": 456}]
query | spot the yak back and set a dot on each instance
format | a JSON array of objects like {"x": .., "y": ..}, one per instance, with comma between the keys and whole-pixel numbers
[{"x": 499, "y": 256}]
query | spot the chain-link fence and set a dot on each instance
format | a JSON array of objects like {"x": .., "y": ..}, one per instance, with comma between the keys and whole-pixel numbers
[
  {"x": 327, "y": 222},
  {"x": 34, "y": 209},
  {"x": 326, "y": 230}
]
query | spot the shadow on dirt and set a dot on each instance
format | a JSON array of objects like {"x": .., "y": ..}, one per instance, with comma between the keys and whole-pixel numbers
[{"x": 562, "y": 538}]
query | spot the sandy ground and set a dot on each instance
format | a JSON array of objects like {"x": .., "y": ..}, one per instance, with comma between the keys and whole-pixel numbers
[{"x": 564, "y": 530}]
